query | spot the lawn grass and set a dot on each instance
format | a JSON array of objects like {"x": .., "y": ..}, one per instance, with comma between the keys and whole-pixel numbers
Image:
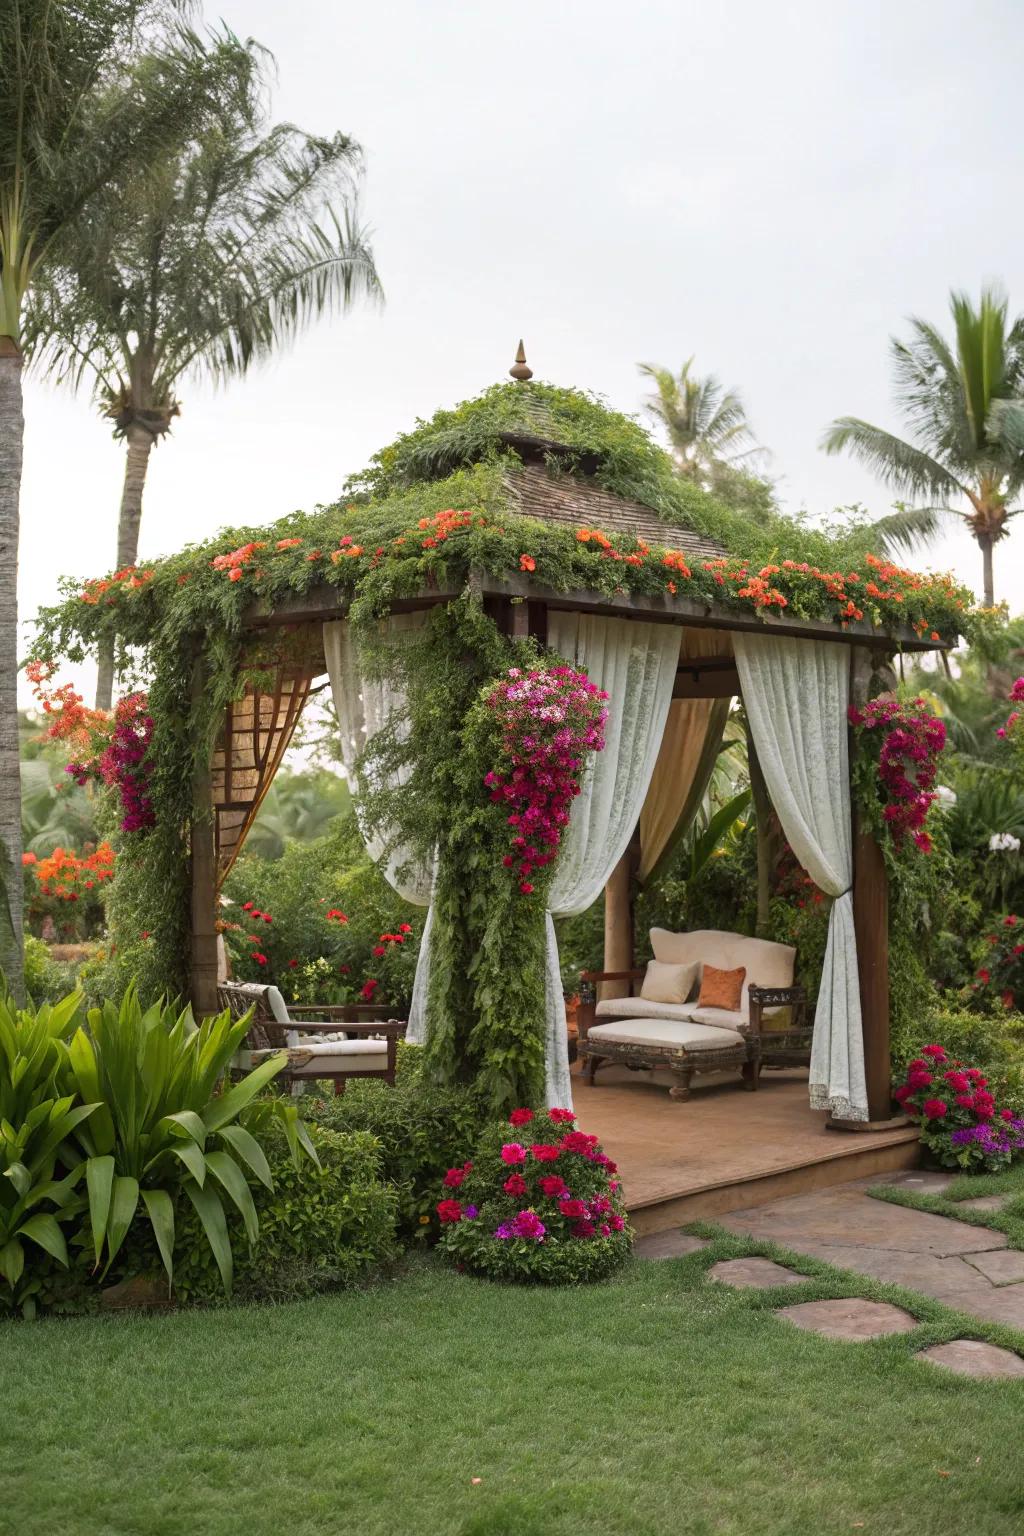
[
  {"x": 969, "y": 1186},
  {"x": 655, "y": 1403}
]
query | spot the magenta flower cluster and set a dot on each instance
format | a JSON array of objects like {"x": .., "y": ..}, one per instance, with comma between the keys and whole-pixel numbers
[
  {"x": 1016, "y": 697},
  {"x": 549, "y": 719},
  {"x": 125, "y": 762},
  {"x": 908, "y": 759}
]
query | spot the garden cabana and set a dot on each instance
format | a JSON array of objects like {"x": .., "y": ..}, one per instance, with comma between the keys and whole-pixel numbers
[{"x": 670, "y": 660}]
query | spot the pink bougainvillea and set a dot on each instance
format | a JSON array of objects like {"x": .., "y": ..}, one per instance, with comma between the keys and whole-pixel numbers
[
  {"x": 912, "y": 739},
  {"x": 549, "y": 719},
  {"x": 1012, "y": 728}
]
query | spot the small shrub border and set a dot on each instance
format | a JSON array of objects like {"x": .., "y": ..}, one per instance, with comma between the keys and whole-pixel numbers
[{"x": 961, "y": 1123}]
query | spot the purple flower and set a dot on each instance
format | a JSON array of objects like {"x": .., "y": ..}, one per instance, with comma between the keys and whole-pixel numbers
[{"x": 470, "y": 1212}]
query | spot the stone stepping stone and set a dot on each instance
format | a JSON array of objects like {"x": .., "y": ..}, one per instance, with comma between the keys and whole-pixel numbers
[
  {"x": 759, "y": 1274},
  {"x": 1003, "y": 1266},
  {"x": 852, "y": 1318},
  {"x": 969, "y": 1357},
  {"x": 984, "y": 1203},
  {"x": 668, "y": 1245}
]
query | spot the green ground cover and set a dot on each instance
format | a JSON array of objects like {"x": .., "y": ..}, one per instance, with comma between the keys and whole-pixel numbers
[
  {"x": 1009, "y": 1218},
  {"x": 653, "y": 1403}
]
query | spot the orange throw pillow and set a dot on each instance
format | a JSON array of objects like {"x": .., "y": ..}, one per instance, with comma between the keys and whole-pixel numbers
[{"x": 721, "y": 989}]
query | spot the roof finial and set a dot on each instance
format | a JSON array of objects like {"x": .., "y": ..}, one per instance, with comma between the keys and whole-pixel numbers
[{"x": 519, "y": 370}]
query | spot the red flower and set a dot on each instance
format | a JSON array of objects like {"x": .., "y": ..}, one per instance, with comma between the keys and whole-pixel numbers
[
  {"x": 579, "y": 1141},
  {"x": 405, "y": 927},
  {"x": 260, "y": 959},
  {"x": 934, "y": 1050},
  {"x": 454, "y": 1177},
  {"x": 515, "y": 1184},
  {"x": 292, "y": 964},
  {"x": 368, "y": 989},
  {"x": 561, "y": 1116},
  {"x": 545, "y": 1153},
  {"x": 1006, "y": 1114},
  {"x": 378, "y": 950},
  {"x": 512, "y": 1152},
  {"x": 449, "y": 1210},
  {"x": 520, "y": 1117},
  {"x": 935, "y": 1109},
  {"x": 984, "y": 975},
  {"x": 902, "y": 1093},
  {"x": 553, "y": 1185},
  {"x": 572, "y": 1209}
]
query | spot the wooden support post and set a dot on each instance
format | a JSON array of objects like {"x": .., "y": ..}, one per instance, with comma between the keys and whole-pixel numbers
[
  {"x": 204, "y": 880},
  {"x": 618, "y": 926},
  {"x": 871, "y": 923}
]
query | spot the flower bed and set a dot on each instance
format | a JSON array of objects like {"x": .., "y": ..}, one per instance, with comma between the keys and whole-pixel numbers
[
  {"x": 960, "y": 1120},
  {"x": 547, "y": 1208}
]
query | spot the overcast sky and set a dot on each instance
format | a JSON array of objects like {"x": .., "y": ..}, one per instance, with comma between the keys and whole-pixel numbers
[{"x": 771, "y": 187}]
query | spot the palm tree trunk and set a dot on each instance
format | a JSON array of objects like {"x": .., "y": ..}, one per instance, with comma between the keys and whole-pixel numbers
[
  {"x": 985, "y": 541},
  {"x": 140, "y": 443},
  {"x": 12, "y": 426}
]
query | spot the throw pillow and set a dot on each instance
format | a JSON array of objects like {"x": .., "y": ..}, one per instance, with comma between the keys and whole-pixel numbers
[
  {"x": 666, "y": 983},
  {"x": 722, "y": 989}
]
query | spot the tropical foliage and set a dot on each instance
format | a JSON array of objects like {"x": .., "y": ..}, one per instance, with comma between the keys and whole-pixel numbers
[
  {"x": 709, "y": 437},
  {"x": 255, "y": 232},
  {"x": 964, "y": 403}
]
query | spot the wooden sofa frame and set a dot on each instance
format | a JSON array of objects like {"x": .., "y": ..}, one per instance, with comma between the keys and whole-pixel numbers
[
  {"x": 760, "y": 1047},
  {"x": 268, "y": 1033}
]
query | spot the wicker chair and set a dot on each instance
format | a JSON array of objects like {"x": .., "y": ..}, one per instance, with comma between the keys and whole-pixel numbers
[{"x": 350, "y": 1044}]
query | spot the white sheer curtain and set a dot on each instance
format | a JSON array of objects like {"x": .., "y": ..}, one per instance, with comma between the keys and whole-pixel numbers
[
  {"x": 635, "y": 663},
  {"x": 364, "y": 705},
  {"x": 796, "y": 694}
]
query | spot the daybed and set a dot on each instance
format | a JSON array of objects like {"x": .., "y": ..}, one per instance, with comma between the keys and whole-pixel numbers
[{"x": 670, "y": 1027}]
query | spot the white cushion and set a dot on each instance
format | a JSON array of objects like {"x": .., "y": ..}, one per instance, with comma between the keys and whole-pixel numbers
[
  {"x": 340, "y": 1047},
  {"x": 664, "y": 983},
  {"x": 767, "y": 964},
  {"x": 643, "y": 1008},
  {"x": 694, "y": 1037},
  {"x": 723, "y": 1018},
  {"x": 320, "y": 1065}
]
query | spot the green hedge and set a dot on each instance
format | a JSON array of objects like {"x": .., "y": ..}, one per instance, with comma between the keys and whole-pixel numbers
[
  {"x": 319, "y": 1229},
  {"x": 423, "y": 1130}
]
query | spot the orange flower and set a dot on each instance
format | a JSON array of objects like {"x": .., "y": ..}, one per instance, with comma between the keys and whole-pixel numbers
[
  {"x": 287, "y": 543},
  {"x": 527, "y": 563}
]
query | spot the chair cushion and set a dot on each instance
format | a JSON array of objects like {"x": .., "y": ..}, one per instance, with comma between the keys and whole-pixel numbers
[
  {"x": 693, "y": 1037},
  {"x": 721, "y": 989},
  {"x": 321, "y": 1047},
  {"x": 721, "y": 1018},
  {"x": 643, "y": 1008},
  {"x": 767, "y": 964},
  {"x": 665, "y": 983}
]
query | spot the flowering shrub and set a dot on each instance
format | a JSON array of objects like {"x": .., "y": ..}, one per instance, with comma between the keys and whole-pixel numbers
[
  {"x": 539, "y": 1201},
  {"x": 548, "y": 719},
  {"x": 959, "y": 1118},
  {"x": 905, "y": 740},
  {"x": 67, "y": 887},
  {"x": 1001, "y": 977}
]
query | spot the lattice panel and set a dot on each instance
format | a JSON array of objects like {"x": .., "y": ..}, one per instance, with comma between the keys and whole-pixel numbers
[{"x": 257, "y": 730}]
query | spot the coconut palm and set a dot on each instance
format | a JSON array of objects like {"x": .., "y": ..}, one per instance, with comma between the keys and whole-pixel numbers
[
  {"x": 706, "y": 424},
  {"x": 964, "y": 457},
  {"x": 71, "y": 117},
  {"x": 201, "y": 268}
]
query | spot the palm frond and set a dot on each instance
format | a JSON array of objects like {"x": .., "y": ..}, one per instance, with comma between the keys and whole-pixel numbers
[
  {"x": 909, "y": 470},
  {"x": 908, "y": 528}
]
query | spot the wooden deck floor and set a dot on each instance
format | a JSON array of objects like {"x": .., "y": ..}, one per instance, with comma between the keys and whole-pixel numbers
[{"x": 725, "y": 1149}]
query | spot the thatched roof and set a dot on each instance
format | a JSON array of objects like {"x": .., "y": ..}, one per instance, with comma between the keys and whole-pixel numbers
[{"x": 537, "y": 491}]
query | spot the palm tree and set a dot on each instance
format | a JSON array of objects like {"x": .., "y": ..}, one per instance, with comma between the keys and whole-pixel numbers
[
  {"x": 966, "y": 416},
  {"x": 70, "y": 118},
  {"x": 203, "y": 267},
  {"x": 708, "y": 432}
]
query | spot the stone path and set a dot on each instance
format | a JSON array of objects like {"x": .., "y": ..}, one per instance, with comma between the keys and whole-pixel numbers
[
  {"x": 851, "y": 1318},
  {"x": 969, "y": 1268}
]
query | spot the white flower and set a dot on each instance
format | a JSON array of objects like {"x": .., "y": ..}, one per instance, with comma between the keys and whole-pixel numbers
[
  {"x": 945, "y": 796},
  {"x": 1004, "y": 842}
]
